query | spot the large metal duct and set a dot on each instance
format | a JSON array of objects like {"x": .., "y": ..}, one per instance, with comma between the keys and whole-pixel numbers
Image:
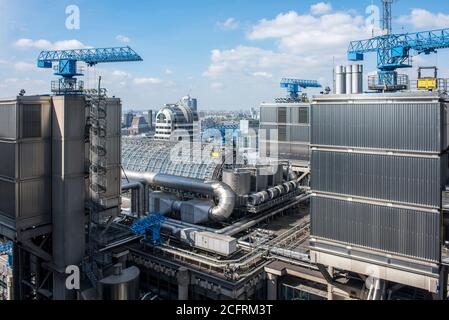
[
  {"x": 226, "y": 197},
  {"x": 141, "y": 195}
]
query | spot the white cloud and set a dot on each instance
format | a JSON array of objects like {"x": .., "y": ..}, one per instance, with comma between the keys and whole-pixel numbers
[
  {"x": 168, "y": 71},
  {"x": 25, "y": 66},
  {"x": 262, "y": 74},
  {"x": 123, "y": 39},
  {"x": 250, "y": 60},
  {"x": 229, "y": 24},
  {"x": 420, "y": 18},
  {"x": 143, "y": 81},
  {"x": 311, "y": 35},
  {"x": 48, "y": 45},
  {"x": 217, "y": 85},
  {"x": 120, "y": 73},
  {"x": 321, "y": 8}
]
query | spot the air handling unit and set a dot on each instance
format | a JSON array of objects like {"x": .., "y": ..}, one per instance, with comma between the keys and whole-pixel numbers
[{"x": 379, "y": 166}]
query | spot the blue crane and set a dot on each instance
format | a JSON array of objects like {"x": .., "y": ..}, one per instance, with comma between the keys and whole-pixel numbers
[
  {"x": 6, "y": 249},
  {"x": 294, "y": 86},
  {"x": 67, "y": 64},
  {"x": 394, "y": 51}
]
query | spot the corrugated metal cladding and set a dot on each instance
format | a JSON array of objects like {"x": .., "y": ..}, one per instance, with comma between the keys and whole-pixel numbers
[
  {"x": 268, "y": 114},
  {"x": 298, "y": 133},
  {"x": 396, "y": 126},
  {"x": 31, "y": 127},
  {"x": 7, "y": 199},
  {"x": 415, "y": 180},
  {"x": 406, "y": 232},
  {"x": 8, "y": 123}
]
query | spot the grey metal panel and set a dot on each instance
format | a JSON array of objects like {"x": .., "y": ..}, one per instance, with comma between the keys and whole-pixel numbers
[
  {"x": 35, "y": 159},
  {"x": 35, "y": 200},
  {"x": 396, "y": 126},
  {"x": 68, "y": 157},
  {"x": 300, "y": 151},
  {"x": 268, "y": 114},
  {"x": 284, "y": 148},
  {"x": 8, "y": 121},
  {"x": 415, "y": 180},
  {"x": 293, "y": 115},
  {"x": 31, "y": 121},
  {"x": 113, "y": 147},
  {"x": 68, "y": 121},
  {"x": 28, "y": 203},
  {"x": 114, "y": 117},
  {"x": 282, "y": 115},
  {"x": 298, "y": 114},
  {"x": 7, "y": 159},
  {"x": 298, "y": 133},
  {"x": 403, "y": 231},
  {"x": 7, "y": 199}
]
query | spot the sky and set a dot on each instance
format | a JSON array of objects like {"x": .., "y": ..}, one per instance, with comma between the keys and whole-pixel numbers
[{"x": 230, "y": 54}]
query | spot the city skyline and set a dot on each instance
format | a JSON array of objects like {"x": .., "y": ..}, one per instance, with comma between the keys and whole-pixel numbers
[{"x": 243, "y": 53}]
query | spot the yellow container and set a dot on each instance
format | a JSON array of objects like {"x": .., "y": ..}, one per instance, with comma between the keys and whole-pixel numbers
[{"x": 427, "y": 84}]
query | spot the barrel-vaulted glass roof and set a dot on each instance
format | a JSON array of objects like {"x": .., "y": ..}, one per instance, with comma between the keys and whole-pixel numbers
[{"x": 147, "y": 155}]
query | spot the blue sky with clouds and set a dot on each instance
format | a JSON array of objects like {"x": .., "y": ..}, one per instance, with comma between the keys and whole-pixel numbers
[{"x": 229, "y": 54}]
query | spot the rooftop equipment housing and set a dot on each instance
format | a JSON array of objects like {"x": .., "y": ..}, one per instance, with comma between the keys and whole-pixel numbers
[{"x": 379, "y": 168}]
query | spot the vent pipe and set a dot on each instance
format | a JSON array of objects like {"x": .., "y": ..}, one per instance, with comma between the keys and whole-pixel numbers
[{"x": 226, "y": 197}]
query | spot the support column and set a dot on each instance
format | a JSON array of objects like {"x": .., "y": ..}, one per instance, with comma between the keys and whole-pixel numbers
[
  {"x": 183, "y": 277},
  {"x": 68, "y": 189},
  {"x": 146, "y": 198},
  {"x": 443, "y": 281},
  {"x": 330, "y": 288},
  {"x": 272, "y": 287}
]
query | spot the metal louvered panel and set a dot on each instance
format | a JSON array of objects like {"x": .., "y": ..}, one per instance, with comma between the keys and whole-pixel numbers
[
  {"x": 393, "y": 126},
  {"x": 298, "y": 133},
  {"x": 268, "y": 114},
  {"x": 406, "y": 232},
  {"x": 282, "y": 115},
  {"x": 415, "y": 180},
  {"x": 31, "y": 121},
  {"x": 8, "y": 121}
]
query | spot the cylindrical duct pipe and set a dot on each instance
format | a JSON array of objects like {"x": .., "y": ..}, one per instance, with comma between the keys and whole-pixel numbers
[
  {"x": 348, "y": 79},
  {"x": 340, "y": 80},
  {"x": 226, "y": 197},
  {"x": 137, "y": 196}
]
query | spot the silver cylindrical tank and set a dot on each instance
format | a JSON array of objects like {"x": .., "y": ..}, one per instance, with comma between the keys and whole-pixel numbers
[
  {"x": 238, "y": 180},
  {"x": 357, "y": 79},
  {"x": 340, "y": 80},
  {"x": 360, "y": 75},
  {"x": 121, "y": 285},
  {"x": 348, "y": 72}
]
